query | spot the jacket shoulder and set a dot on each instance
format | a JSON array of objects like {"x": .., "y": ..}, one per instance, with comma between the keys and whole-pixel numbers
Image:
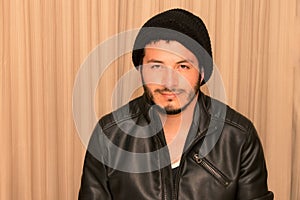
[
  {"x": 223, "y": 112},
  {"x": 126, "y": 112},
  {"x": 238, "y": 120}
]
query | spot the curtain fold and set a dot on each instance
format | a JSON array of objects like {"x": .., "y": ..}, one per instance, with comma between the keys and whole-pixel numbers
[{"x": 43, "y": 44}]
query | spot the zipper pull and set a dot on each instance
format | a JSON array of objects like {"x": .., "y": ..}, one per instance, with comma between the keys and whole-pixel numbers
[{"x": 197, "y": 158}]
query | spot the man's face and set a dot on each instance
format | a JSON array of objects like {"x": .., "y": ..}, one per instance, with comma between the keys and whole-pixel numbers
[{"x": 170, "y": 75}]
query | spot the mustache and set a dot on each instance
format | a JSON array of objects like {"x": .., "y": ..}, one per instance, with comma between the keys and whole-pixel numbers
[{"x": 170, "y": 90}]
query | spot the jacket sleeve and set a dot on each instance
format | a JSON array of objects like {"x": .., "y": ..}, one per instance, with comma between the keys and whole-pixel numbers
[
  {"x": 94, "y": 182},
  {"x": 252, "y": 183}
]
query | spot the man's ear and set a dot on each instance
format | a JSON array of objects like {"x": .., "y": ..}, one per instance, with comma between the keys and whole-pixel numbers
[
  {"x": 201, "y": 74},
  {"x": 140, "y": 68}
]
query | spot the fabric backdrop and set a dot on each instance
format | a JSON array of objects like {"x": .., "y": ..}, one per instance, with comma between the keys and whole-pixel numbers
[{"x": 43, "y": 43}]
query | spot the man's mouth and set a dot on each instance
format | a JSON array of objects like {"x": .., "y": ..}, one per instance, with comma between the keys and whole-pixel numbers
[{"x": 169, "y": 94}]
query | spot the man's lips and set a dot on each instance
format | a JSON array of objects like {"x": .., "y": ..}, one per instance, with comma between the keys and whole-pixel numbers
[{"x": 169, "y": 95}]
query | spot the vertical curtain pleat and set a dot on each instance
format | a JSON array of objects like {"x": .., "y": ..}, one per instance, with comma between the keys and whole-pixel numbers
[{"x": 43, "y": 44}]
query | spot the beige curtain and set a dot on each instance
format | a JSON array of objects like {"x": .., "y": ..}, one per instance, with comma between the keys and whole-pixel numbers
[{"x": 43, "y": 44}]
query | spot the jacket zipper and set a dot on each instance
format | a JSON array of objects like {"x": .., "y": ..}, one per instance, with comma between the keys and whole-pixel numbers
[
  {"x": 162, "y": 171},
  {"x": 175, "y": 188},
  {"x": 174, "y": 183},
  {"x": 211, "y": 169}
]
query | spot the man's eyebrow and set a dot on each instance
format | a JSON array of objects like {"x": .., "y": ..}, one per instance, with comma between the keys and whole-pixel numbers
[
  {"x": 186, "y": 61},
  {"x": 179, "y": 62},
  {"x": 154, "y": 61}
]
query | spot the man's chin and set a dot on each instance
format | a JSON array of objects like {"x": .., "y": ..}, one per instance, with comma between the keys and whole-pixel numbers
[
  {"x": 173, "y": 111},
  {"x": 166, "y": 107},
  {"x": 168, "y": 110}
]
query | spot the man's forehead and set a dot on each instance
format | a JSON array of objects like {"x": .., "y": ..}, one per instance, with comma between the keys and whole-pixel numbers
[{"x": 162, "y": 48}]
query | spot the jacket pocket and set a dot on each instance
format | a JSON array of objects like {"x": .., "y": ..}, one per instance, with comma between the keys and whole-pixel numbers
[{"x": 221, "y": 178}]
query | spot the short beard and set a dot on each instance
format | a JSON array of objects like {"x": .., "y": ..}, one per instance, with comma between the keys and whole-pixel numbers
[{"x": 168, "y": 110}]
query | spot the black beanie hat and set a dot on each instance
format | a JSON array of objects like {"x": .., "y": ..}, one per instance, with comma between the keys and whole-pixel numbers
[{"x": 179, "y": 25}]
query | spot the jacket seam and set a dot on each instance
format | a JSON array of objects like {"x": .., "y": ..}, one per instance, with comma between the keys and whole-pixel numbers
[
  {"x": 115, "y": 122},
  {"x": 242, "y": 128}
]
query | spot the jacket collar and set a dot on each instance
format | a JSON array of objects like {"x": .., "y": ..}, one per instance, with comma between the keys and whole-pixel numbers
[
  {"x": 208, "y": 121},
  {"x": 202, "y": 113}
]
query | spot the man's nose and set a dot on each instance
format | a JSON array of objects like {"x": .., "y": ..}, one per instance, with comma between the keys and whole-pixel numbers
[{"x": 170, "y": 78}]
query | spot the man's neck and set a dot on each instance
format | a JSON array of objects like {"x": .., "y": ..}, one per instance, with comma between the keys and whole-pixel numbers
[{"x": 176, "y": 128}]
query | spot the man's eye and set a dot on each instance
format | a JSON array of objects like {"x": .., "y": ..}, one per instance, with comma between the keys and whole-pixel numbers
[
  {"x": 156, "y": 66},
  {"x": 184, "y": 67}
]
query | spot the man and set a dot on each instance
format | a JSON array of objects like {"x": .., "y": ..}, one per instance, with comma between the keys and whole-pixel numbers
[{"x": 174, "y": 142}]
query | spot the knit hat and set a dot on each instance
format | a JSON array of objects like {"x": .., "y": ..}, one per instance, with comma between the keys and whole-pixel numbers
[{"x": 181, "y": 26}]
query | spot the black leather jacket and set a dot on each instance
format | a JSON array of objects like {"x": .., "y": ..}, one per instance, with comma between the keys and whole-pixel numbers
[{"x": 126, "y": 158}]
